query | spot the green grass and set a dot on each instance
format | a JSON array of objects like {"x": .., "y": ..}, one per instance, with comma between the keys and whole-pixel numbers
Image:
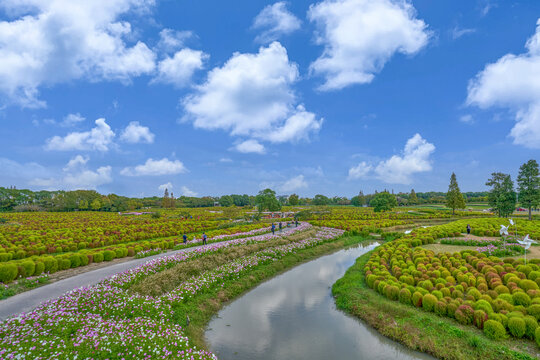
[
  {"x": 419, "y": 330},
  {"x": 202, "y": 307}
]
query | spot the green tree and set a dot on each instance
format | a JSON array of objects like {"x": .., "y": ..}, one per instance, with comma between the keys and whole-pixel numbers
[
  {"x": 528, "y": 182},
  {"x": 83, "y": 205},
  {"x": 383, "y": 201},
  {"x": 502, "y": 196},
  {"x": 320, "y": 200},
  {"x": 95, "y": 205},
  {"x": 226, "y": 200},
  {"x": 413, "y": 199},
  {"x": 293, "y": 200},
  {"x": 266, "y": 200},
  {"x": 454, "y": 198}
]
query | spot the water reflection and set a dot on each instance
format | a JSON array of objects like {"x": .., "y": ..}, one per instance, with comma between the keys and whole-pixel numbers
[{"x": 293, "y": 316}]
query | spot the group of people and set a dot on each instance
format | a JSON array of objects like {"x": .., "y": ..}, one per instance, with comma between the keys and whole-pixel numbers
[
  {"x": 281, "y": 226},
  {"x": 204, "y": 239}
]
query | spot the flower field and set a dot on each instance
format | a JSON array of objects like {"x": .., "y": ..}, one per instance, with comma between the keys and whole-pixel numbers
[
  {"x": 112, "y": 320},
  {"x": 499, "y": 296}
]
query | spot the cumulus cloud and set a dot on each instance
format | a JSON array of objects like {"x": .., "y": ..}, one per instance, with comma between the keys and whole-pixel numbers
[
  {"x": 167, "y": 186},
  {"x": 99, "y": 138},
  {"x": 72, "y": 119},
  {"x": 293, "y": 184},
  {"x": 251, "y": 95},
  {"x": 415, "y": 158},
  {"x": 187, "y": 192},
  {"x": 50, "y": 42},
  {"x": 135, "y": 133},
  {"x": 75, "y": 176},
  {"x": 250, "y": 146},
  {"x": 172, "y": 40},
  {"x": 179, "y": 69},
  {"x": 398, "y": 169},
  {"x": 275, "y": 20},
  {"x": 513, "y": 82},
  {"x": 360, "y": 36},
  {"x": 155, "y": 168},
  {"x": 359, "y": 171}
]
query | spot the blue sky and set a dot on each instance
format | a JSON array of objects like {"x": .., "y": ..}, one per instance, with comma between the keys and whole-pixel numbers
[{"x": 213, "y": 97}]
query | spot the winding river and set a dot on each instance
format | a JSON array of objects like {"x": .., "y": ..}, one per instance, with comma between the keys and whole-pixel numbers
[{"x": 293, "y": 316}]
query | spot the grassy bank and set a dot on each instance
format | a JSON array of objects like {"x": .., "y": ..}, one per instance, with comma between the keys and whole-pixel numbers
[
  {"x": 419, "y": 330},
  {"x": 204, "y": 306}
]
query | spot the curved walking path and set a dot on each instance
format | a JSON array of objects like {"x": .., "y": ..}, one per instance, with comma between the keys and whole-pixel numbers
[{"x": 28, "y": 300}]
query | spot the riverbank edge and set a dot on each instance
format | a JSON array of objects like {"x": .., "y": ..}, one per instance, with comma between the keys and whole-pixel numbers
[
  {"x": 203, "y": 307},
  {"x": 441, "y": 337}
]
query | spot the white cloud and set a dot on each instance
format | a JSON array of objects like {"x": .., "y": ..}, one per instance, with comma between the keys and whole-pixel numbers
[
  {"x": 76, "y": 176},
  {"x": 179, "y": 69},
  {"x": 99, "y": 138},
  {"x": 293, "y": 184},
  {"x": 167, "y": 186},
  {"x": 135, "y": 133},
  {"x": 225, "y": 160},
  {"x": 415, "y": 158},
  {"x": 360, "y": 36},
  {"x": 72, "y": 119},
  {"x": 250, "y": 146},
  {"x": 50, "y": 42},
  {"x": 359, "y": 171},
  {"x": 155, "y": 168},
  {"x": 251, "y": 96},
  {"x": 513, "y": 81},
  {"x": 458, "y": 32},
  {"x": 467, "y": 119},
  {"x": 187, "y": 192},
  {"x": 275, "y": 20},
  {"x": 172, "y": 40}
]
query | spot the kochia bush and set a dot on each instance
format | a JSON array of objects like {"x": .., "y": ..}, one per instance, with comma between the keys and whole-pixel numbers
[
  {"x": 428, "y": 302},
  {"x": 8, "y": 272},
  {"x": 517, "y": 327},
  {"x": 494, "y": 330}
]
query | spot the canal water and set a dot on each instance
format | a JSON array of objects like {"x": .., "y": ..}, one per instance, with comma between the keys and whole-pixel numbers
[{"x": 293, "y": 316}]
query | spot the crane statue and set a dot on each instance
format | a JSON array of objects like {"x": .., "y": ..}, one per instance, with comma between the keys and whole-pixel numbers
[
  {"x": 504, "y": 232},
  {"x": 526, "y": 242}
]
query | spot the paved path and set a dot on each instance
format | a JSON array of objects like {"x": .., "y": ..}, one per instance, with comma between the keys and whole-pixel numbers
[{"x": 27, "y": 301}]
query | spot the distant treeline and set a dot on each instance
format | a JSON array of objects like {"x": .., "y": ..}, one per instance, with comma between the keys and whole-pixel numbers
[{"x": 12, "y": 199}]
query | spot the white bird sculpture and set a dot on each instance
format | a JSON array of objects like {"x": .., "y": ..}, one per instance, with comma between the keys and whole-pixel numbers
[
  {"x": 526, "y": 242},
  {"x": 511, "y": 222},
  {"x": 504, "y": 230}
]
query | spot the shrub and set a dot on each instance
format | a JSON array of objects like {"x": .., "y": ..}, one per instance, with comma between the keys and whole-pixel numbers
[
  {"x": 521, "y": 298},
  {"x": 29, "y": 267},
  {"x": 417, "y": 299},
  {"x": 108, "y": 255},
  {"x": 534, "y": 310},
  {"x": 437, "y": 294},
  {"x": 507, "y": 297},
  {"x": 51, "y": 264},
  {"x": 98, "y": 257},
  {"x": 480, "y": 317},
  {"x": 494, "y": 330},
  {"x": 531, "y": 324},
  {"x": 483, "y": 305},
  {"x": 501, "y": 289},
  {"x": 537, "y": 336},
  {"x": 75, "y": 260},
  {"x": 464, "y": 314},
  {"x": 119, "y": 253},
  {"x": 528, "y": 285},
  {"x": 40, "y": 267},
  {"x": 405, "y": 296},
  {"x": 440, "y": 308},
  {"x": 517, "y": 327},
  {"x": 474, "y": 293},
  {"x": 64, "y": 264},
  {"x": 8, "y": 272},
  {"x": 428, "y": 302},
  {"x": 392, "y": 292},
  {"x": 451, "y": 309}
]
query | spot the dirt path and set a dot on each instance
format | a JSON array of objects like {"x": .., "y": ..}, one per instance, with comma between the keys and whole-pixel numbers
[{"x": 29, "y": 300}]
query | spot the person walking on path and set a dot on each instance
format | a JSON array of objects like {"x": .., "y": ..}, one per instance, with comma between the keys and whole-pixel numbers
[
  {"x": 273, "y": 228},
  {"x": 296, "y": 223},
  {"x": 280, "y": 226},
  {"x": 184, "y": 237},
  {"x": 468, "y": 229},
  {"x": 204, "y": 238}
]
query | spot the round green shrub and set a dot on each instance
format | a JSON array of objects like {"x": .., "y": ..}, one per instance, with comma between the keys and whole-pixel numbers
[
  {"x": 526, "y": 284},
  {"x": 119, "y": 253},
  {"x": 392, "y": 292},
  {"x": 521, "y": 298},
  {"x": 29, "y": 267},
  {"x": 428, "y": 302},
  {"x": 109, "y": 255},
  {"x": 64, "y": 264},
  {"x": 417, "y": 299},
  {"x": 40, "y": 267},
  {"x": 437, "y": 294},
  {"x": 464, "y": 314},
  {"x": 451, "y": 309},
  {"x": 531, "y": 324},
  {"x": 517, "y": 326},
  {"x": 474, "y": 293},
  {"x": 98, "y": 257},
  {"x": 405, "y": 296},
  {"x": 483, "y": 305},
  {"x": 440, "y": 308},
  {"x": 8, "y": 272},
  {"x": 501, "y": 289},
  {"x": 506, "y": 297},
  {"x": 494, "y": 330},
  {"x": 51, "y": 264},
  {"x": 480, "y": 317},
  {"x": 75, "y": 260},
  {"x": 534, "y": 310}
]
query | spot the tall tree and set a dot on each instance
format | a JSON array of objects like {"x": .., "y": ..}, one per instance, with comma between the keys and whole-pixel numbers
[
  {"x": 293, "y": 200},
  {"x": 454, "y": 198},
  {"x": 266, "y": 200},
  {"x": 383, "y": 201},
  {"x": 166, "y": 200},
  {"x": 528, "y": 181},
  {"x": 502, "y": 196},
  {"x": 320, "y": 200},
  {"x": 413, "y": 199}
]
